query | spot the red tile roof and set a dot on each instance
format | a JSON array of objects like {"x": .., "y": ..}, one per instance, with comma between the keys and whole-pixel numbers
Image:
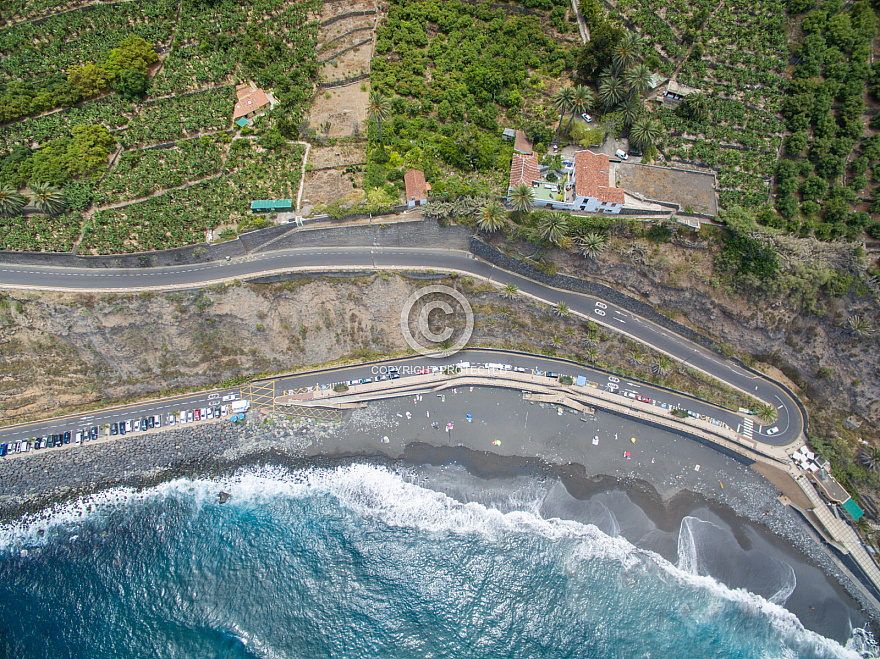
[
  {"x": 521, "y": 143},
  {"x": 416, "y": 187},
  {"x": 524, "y": 169},
  {"x": 592, "y": 178},
  {"x": 249, "y": 100}
]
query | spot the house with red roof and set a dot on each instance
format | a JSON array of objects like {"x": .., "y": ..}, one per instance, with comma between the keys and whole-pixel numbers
[
  {"x": 416, "y": 188},
  {"x": 252, "y": 101},
  {"x": 593, "y": 188},
  {"x": 583, "y": 185}
]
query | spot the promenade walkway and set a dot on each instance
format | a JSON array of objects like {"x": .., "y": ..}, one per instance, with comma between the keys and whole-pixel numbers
[{"x": 786, "y": 475}]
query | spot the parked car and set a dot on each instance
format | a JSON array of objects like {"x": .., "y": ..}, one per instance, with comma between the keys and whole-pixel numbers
[
  {"x": 157, "y": 421},
  {"x": 197, "y": 415},
  {"x": 170, "y": 419},
  {"x": 44, "y": 442},
  {"x": 620, "y": 153},
  {"x": 643, "y": 399},
  {"x": 189, "y": 416},
  {"x": 57, "y": 440},
  {"x": 122, "y": 430},
  {"x": 366, "y": 380},
  {"x": 66, "y": 437},
  {"x": 217, "y": 412},
  {"x": 114, "y": 428},
  {"x": 587, "y": 118},
  {"x": 145, "y": 425},
  {"x": 129, "y": 426},
  {"x": 150, "y": 422}
]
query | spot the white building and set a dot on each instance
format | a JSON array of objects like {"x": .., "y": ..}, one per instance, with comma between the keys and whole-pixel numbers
[
  {"x": 593, "y": 189},
  {"x": 584, "y": 184}
]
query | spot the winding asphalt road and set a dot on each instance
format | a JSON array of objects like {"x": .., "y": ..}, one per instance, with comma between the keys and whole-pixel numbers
[{"x": 788, "y": 426}]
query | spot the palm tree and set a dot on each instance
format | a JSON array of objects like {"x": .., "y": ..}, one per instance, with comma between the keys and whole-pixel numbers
[
  {"x": 562, "y": 102},
  {"x": 636, "y": 356},
  {"x": 870, "y": 457},
  {"x": 859, "y": 325},
  {"x": 509, "y": 291},
  {"x": 611, "y": 92},
  {"x": 637, "y": 79},
  {"x": 661, "y": 365},
  {"x": 554, "y": 227},
  {"x": 379, "y": 109},
  {"x": 630, "y": 110},
  {"x": 491, "y": 216},
  {"x": 592, "y": 354},
  {"x": 47, "y": 198},
  {"x": 591, "y": 245},
  {"x": 767, "y": 413},
  {"x": 626, "y": 52},
  {"x": 583, "y": 100},
  {"x": 645, "y": 132},
  {"x": 11, "y": 202},
  {"x": 521, "y": 198},
  {"x": 561, "y": 309},
  {"x": 695, "y": 106}
]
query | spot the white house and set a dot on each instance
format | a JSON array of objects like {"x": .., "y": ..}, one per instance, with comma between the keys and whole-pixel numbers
[
  {"x": 583, "y": 185},
  {"x": 593, "y": 190}
]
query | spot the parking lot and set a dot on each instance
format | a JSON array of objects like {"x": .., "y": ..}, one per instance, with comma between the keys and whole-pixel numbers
[{"x": 229, "y": 408}]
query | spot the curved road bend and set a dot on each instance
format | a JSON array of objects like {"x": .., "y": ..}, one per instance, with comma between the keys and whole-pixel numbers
[{"x": 789, "y": 423}]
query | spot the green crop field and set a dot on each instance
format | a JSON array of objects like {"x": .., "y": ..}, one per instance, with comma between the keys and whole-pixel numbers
[{"x": 88, "y": 89}]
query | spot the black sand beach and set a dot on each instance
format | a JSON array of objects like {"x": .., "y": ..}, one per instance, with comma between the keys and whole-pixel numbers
[{"x": 510, "y": 453}]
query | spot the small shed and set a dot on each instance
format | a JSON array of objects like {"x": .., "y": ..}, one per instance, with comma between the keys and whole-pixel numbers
[
  {"x": 508, "y": 134},
  {"x": 656, "y": 80},
  {"x": 416, "y": 188},
  {"x": 677, "y": 91},
  {"x": 853, "y": 509},
  {"x": 271, "y": 205}
]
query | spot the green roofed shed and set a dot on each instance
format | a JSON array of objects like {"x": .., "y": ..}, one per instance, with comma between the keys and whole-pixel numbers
[
  {"x": 241, "y": 123},
  {"x": 270, "y": 205},
  {"x": 853, "y": 509}
]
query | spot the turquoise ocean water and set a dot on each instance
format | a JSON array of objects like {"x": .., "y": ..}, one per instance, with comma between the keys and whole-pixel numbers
[{"x": 360, "y": 561}]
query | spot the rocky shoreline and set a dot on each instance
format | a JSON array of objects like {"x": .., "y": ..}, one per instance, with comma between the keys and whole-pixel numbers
[{"x": 32, "y": 486}]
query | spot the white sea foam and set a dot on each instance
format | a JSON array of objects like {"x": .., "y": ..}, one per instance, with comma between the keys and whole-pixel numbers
[{"x": 378, "y": 493}]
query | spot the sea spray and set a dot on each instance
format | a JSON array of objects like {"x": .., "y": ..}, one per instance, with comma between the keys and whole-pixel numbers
[{"x": 359, "y": 561}]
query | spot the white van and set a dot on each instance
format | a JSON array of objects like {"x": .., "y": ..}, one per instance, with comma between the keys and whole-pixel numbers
[{"x": 620, "y": 153}]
